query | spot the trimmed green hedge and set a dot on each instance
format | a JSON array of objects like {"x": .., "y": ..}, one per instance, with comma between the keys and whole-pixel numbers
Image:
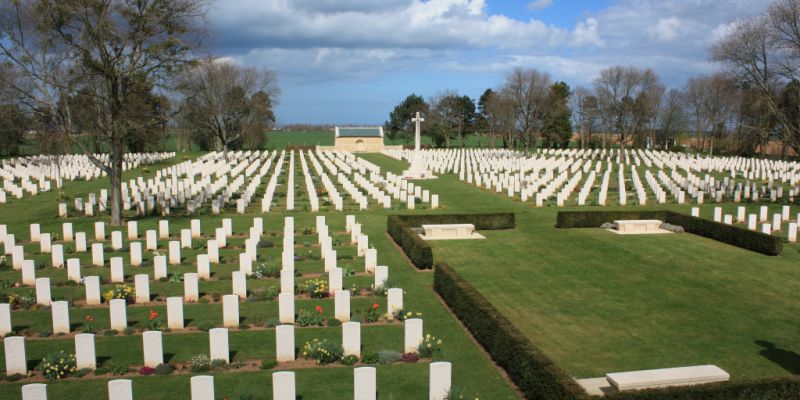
[
  {"x": 730, "y": 234},
  {"x": 765, "y": 389},
  {"x": 416, "y": 249},
  {"x": 420, "y": 253},
  {"x": 534, "y": 373}
]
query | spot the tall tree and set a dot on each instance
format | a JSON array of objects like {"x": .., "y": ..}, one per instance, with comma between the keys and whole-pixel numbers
[
  {"x": 629, "y": 97},
  {"x": 103, "y": 47},
  {"x": 224, "y": 103},
  {"x": 585, "y": 113},
  {"x": 557, "y": 123},
  {"x": 527, "y": 90},
  {"x": 399, "y": 124},
  {"x": 445, "y": 117}
]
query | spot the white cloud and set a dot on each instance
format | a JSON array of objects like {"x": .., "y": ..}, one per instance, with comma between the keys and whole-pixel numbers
[
  {"x": 585, "y": 34},
  {"x": 540, "y": 4},
  {"x": 667, "y": 29}
]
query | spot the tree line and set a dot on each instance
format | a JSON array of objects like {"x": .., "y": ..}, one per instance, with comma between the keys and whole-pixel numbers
[
  {"x": 115, "y": 76},
  {"x": 753, "y": 102}
]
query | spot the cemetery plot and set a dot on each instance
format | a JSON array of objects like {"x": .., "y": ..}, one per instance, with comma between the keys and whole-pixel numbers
[
  {"x": 315, "y": 287},
  {"x": 615, "y": 177},
  {"x": 255, "y": 181},
  {"x": 28, "y": 176}
]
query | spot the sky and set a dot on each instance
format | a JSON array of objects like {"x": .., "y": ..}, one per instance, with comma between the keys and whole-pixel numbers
[{"x": 352, "y": 61}]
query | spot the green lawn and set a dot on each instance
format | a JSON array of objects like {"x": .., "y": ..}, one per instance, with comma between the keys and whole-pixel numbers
[{"x": 597, "y": 302}]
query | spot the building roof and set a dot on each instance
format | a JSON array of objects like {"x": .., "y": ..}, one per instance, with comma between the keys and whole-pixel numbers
[{"x": 359, "y": 132}]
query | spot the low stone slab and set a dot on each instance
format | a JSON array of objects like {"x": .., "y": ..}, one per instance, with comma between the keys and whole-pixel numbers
[
  {"x": 638, "y": 227},
  {"x": 450, "y": 232},
  {"x": 656, "y": 378}
]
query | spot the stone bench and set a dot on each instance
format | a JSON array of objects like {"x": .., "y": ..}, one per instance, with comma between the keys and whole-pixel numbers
[
  {"x": 638, "y": 225},
  {"x": 657, "y": 378},
  {"x": 448, "y": 231}
]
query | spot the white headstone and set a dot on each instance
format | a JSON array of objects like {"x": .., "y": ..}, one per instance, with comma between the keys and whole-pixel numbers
[
  {"x": 151, "y": 240},
  {"x": 175, "y": 312},
  {"x": 120, "y": 389},
  {"x": 370, "y": 260},
  {"x": 16, "y": 363},
  {"x": 67, "y": 231},
  {"x": 286, "y": 308},
  {"x": 342, "y": 305},
  {"x": 365, "y": 383},
  {"x": 174, "y": 252},
  {"x": 85, "y": 356},
  {"x": 28, "y": 272},
  {"x": 287, "y": 282},
  {"x": 34, "y": 391},
  {"x": 230, "y": 310},
  {"x": 117, "y": 270},
  {"x": 119, "y": 316},
  {"x": 142, "y": 283},
  {"x": 284, "y": 343},
  {"x": 152, "y": 348},
  {"x": 245, "y": 263},
  {"x": 60, "y": 315},
  {"x": 213, "y": 251},
  {"x": 195, "y": 228},
  {"x": 218, "y": 344},
  {"x": 203, "y": 267},
  {"x": 440, "y": 377},
  {"x": 100, "y": 231},
  {"x": 97, "y": 255},
  {"x": 163, "y": 229},
  {"x": 159, "y": 267},
  {"x": 394, "y": 301},
  {"x": 92, "y": 284},
  {"x": 381, "y": 275},
  {"x": 80, "y": 242},
  {"x": 43, "y": 291},
  {"x": 191, "y": 290},
  {"x": 351, "y": 338},
  {"x": 74, "y": 269},
  {"x": 5, "y": 319},
  {"x": 202, "y": 387},
  {"x": 116, "y": 240},
  {"x": 133, "y": 230},
  {"x": 413, "y": 335},
  {"x": 283, "y": 386}
]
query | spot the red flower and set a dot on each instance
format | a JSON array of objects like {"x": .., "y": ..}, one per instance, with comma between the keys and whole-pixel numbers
[
  {"x": 89, "y": 318},
  {"x": 319, "y": 309},
  {"x": 375, "y": 306},
  {"x": 153, "y": 315}
]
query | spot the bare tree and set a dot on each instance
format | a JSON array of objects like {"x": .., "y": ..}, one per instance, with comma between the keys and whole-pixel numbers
[
  {"x": 108, "y": 49},
  {"x": 629, "y": 97},
  {"x": 225, "y": 102},
  {"x": 527, "y": 91}
]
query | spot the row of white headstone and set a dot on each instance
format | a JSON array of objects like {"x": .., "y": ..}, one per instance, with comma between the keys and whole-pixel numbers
[
  {"x": 219, "y": 348},
  {"x": 178, "y": 186},
  {"x": 34, "y": 174},
  {"x": 752, "y": 220},
  {"x": 667, "y": 175},
  {"x": 283, "y": 385}
]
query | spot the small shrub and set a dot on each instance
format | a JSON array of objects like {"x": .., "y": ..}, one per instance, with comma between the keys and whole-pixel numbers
[
  {"x": 308, "y": 318},
  {"x": 429, "y": 346},
  {"x": 265, "y": 244},
  {"x": 58, "y": 365},
  {"x": 323, "y": 351},
  {"x": 219, "y": 365},
  {"x": 333, "y": 322},
  {"x": 45, "y": 333},
  {"x": 409, "y": 358},
  {"x": 129, "y": 330},
  {"x": 373, "y": 313},
  {"x": 264, "y": 294},
  {"x": 268, "y": 364},
  {"x": 262, "y": 271},
  {"x": 110, "y": 332},
  {"x": 389, "y": 356},
  {"x": 199, "y": 363},
  {"x": 349, "y": 360},
  {"x": 371, "y": 358},
  {"x": 146, "y": 371},
  {"x": 455, "y": 393},
  {"x": 118, "y": 369},
  {"x": 14, "y": 377},
  {"x": 121, "y": 291},
  {"x": 316, "y": 288},
  {"x": 164, "y": 369}
]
